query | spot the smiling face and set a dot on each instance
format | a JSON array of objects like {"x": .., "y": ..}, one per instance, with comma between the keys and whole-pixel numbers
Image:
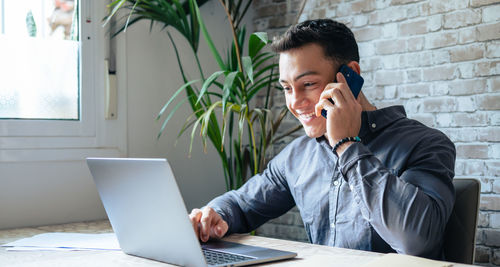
[{"x": 304, "y": 73}]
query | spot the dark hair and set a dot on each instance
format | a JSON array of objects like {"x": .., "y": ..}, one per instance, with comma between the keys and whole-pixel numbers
[{"x": 336, "y": 39}]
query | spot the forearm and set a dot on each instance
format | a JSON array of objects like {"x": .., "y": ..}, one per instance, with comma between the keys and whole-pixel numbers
[{"x": 409, "y": 217}]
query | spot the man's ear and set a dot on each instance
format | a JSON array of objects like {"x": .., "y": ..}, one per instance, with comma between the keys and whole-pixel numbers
[{"x": 354, "y": 65}]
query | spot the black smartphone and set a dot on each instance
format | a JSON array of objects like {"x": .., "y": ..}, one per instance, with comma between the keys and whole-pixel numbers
[{"x": 354, "y": 81}]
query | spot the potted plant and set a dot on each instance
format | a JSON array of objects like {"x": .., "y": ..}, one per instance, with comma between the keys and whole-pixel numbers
[{"x": 231, "y": 90}]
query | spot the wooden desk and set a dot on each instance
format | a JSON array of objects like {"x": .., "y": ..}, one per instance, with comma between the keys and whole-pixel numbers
[{"x": 308, "y": 254}]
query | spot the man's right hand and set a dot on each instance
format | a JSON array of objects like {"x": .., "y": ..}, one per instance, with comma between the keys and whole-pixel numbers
[{"x": 208, "y": 224}]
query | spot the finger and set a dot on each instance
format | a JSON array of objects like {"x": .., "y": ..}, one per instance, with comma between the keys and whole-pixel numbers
[
  {"x": 195, "y": 217},
  {"x": 205, "y": 222},
  {"x": 337, "y": 97},
  {"x": 346, "y": 91},
  {"x": 323, "y": 104},
  {"x": 220, "y": 228}
]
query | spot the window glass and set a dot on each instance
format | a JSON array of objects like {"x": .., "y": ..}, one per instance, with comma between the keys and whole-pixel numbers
[{"x": 39, "y": 59}]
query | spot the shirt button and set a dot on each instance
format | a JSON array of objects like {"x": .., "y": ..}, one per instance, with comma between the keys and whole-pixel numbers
[
  {"x": 374, "y": 125},
  {"x": 336, "y": 183},
  {"x": 332, "y": 225}
]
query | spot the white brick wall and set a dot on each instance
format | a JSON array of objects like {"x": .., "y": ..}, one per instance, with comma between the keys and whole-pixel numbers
[{"x": 441, "y": 60}]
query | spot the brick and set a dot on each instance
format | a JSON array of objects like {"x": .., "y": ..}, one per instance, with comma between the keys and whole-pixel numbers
[
  {"x": 495, "y": 220},
  {"x": 496, "y": 257},
  {"x": 438, "y": 6},
  {"x": 482, "y": 254},
  {"x": 358, "y": 21},
  {"x": 271, "y": 10},
  {"x": 440, "y": 88},
  {"x": 484, "y": 219},
  {"x": 467, "y": 87},
  {"x": 466, "y": 70},
  {"x": 282, "y": 21},
  {"x": 493, "y": 169},
  {"x": 373, "y": 63},
  {"x": 459, "y": 165},
  {"x": 434, "y": 23},
  {"x": 487, "y": 68},
  {"x": 490, "y": 134},
  {"x": 488, "y": 102},
  {"x": 390, "y": 30},
  {"x": 474, "y": 168},
  {"x": 466, "y": 103},
  {"x": 441, "y": 39},
  {"x": 390, "y": 62},
  {"x": 490, "y": 202},
  {"x": 414, "y": 76},
  {"x": 366, "y": 49},
  {"x": 478, "y": 3},
  {"x": 494, "y": 84},
  {"x": 415, "y": 43},
  {"x": 462, "y": 18},
  {"x": 367, "y": 33},
  {"x": 495, "y": 118},
  {"x": 444, "y": 120},
  {"x": 467, "y": 35},
  {"x": 494, "y": 151},
  {"x": 486, "y": 185},
  {"x": 413, "y": 90},
  {"x": 362, "y": 6},
  {"x": 493, "y": 49},
  {"x": 472, "y": 151},
  {"x": 389, "y": 77},
  {"x": 389, "y": 14},
  {"x": 440, "y": 57},
  {"x": 496, "y": 188},
  {"x": 488, "y": 32},
  {"x": 469, "y": 119},
  {"x": 491, "y": 13},
  {"x": 390, "y": 46},
  {"x": 439, "y": 73},
  {"x": 468, "y": 52},
  {"x": 459, "y": 135},
  {"x": 389, "y": 92},
  {"x": 480, "y": 237},
  {"x": 439, "y": 104},
  {"x": 413, "y": 28}
]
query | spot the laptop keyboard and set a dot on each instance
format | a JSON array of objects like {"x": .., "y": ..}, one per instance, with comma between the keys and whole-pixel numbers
[{"x": 214, "y": 257}]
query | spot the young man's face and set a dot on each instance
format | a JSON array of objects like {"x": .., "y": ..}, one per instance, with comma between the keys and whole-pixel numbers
[{"x": 304, "y": 73}]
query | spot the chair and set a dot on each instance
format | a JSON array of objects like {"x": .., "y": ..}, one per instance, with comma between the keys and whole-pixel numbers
[{"x": 460, "y": 233}]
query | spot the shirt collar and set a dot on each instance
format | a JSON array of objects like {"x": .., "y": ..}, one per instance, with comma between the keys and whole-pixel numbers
[{"x": 373, "y": 121}]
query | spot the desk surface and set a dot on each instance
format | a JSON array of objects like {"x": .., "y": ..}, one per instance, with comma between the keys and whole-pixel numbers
[{"x": 308, "y": 254}]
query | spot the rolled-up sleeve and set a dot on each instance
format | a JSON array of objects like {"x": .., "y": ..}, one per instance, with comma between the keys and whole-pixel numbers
[{"x": 409, "y": 210}]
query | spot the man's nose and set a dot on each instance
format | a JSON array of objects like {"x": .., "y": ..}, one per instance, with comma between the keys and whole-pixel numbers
[{"x": 297, "y": 99}]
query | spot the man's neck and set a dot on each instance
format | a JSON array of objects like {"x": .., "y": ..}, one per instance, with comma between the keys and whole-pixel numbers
[{"x": 365, "y": 104}]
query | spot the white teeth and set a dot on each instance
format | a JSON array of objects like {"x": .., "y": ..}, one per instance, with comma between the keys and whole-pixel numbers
[{"x": 307, "y": 115}]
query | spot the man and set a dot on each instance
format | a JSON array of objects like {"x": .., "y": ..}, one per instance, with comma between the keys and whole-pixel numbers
[{"x": 389, "y": 191}]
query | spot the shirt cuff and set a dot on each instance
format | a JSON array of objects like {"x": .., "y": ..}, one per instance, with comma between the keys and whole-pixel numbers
[{"x": 351, "y": 155}]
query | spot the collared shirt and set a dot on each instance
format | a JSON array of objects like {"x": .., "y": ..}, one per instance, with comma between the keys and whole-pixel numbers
[{"x": 392, "y": 192}]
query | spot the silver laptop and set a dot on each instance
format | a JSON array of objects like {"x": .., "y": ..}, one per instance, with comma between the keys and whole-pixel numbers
[{"x": 150, "y": 220}]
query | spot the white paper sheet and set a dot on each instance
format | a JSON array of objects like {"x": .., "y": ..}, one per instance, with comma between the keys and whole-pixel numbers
[{"x": 66, "y": 241}]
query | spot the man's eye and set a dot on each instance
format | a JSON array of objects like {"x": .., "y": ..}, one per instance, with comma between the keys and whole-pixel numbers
[
  {"x": 309, "y": 84},
  {"x": 286, "y": 88}
]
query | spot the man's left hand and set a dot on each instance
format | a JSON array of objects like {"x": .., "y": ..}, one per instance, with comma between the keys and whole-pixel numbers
[{"x": 344, "y": 117}]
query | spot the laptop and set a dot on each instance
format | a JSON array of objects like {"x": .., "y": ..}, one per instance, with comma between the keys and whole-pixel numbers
[{"x": 148, "y": 215}]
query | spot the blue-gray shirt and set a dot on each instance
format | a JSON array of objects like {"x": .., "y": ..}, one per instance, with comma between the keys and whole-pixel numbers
[{"x": 391, "y": 192}]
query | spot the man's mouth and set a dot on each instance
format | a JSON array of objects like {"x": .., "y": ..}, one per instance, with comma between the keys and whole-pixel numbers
[{"x": 307, "y": 116}]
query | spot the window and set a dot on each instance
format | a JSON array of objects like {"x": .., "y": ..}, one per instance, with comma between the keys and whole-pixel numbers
[{"x": 52, "y": 81}]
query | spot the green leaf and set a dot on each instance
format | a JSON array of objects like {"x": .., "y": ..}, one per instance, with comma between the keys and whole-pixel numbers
[
  {"x": 170, "y": 116},
  {"x": 247, "y": 65},
  {"x": 173, "y": 96},
  {"x": 256, "y": 42},
  {"x": 228, "y": 84},
  {"x": 207, "y": 84}
]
